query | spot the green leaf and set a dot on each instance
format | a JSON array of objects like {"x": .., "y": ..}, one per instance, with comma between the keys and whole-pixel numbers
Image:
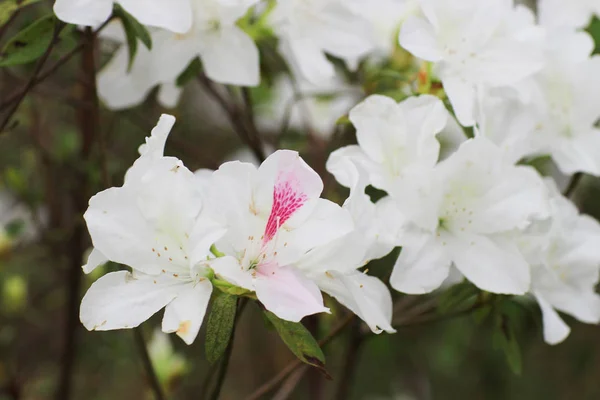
[
  {"x": 29, "y": 44},
  {"x": 299, "y": 340},
  {"x": 343, "y": 120},
  {"x": 459, "y": 296},
  {"x": 9, "y": 7},
  {"x": 220, "y": 325},
  {"x": 594, "y": 30},
  {"x": 504, "y": 339},
  {"x": 133, "y": 31},
  {"x": 190, "y": 72}
]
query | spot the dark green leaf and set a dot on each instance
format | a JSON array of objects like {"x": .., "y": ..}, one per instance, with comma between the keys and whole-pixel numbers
[
  {"x": 190, "y": 72},
  {"x": 220, "y": 325},
  {"x": 133, "y": 31},
  {"x": 299, "y": 340},
  {"x": 594, "y": 30},
  {"x": 9, "y": 7},
  {"x": 15, "y": 228},
  {"x": 505, "y": 340},
  {"x": 29, "y": 44},
  {"x": 459, "y": 296}
]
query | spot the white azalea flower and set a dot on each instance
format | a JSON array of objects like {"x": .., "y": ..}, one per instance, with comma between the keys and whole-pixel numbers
[
  {"x": 511, "y": 125},
  {"x": 153, "y": 224},
  {"x": 567, "y": 104},
  {"x": 174, "y": 15},
  {"x": 565, "y": 267},
  {"x": 334, "y": 266},
  {"x": 469, "y": 208},
  {"x": 385, "y": 17},
  {"x": 274, "y": 217},
  {"x": 559, "y": 116},
  {"x": 309, "y": 29},
  {"x": 227, "y": 53},
  {"x": 570, "y": 14},
  {"x": 474, "y": 45},
  {"x": 396, "y": 141}
]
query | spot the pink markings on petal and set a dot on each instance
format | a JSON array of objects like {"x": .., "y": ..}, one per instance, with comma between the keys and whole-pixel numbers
[{"x": 287, "y": 199}]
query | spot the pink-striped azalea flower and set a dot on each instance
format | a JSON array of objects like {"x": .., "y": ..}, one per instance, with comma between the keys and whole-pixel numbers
[{"x": 273, "y": 217}]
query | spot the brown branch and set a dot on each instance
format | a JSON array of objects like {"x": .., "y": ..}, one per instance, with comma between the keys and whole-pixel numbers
[
  {"x": 350, "y": 362},
  {"x": 11, "y": 19},
  {"x": 147, "y": 362},
  {"x": 50, "y": 71},
  {"x": 573, "y": 183},
  {"x": 291, "y": 367},
  {"x": 89, "y": 121},
  {"x": 38, "y": 67},
  {"x": 236, "y": 118}
]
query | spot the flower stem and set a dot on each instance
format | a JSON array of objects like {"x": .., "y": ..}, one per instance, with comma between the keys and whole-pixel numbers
[{"x": 151, "y": 374}]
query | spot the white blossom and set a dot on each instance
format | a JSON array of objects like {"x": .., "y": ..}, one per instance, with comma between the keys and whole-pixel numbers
[
  {"x": 227, "y": 53},
  {"x": 174, "y": 15},
  {"x": 475, "y": 45},
  {"x": 310, "y": 29},
  {"x": 470, "y": 207},
  {"x": 565, "y": 267},
  {"x": 153, "y": 224},
  {"x": 274, "y": 216}
]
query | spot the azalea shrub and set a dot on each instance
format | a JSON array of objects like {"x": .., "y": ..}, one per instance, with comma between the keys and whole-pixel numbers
[{"x": 327, "y": 191}]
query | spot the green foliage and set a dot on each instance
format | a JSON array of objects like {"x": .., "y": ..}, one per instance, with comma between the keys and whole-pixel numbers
[
  {"x": 219, "y": 327},
  {"x": 299, "y": 340},
  {"x": 504, "y": 339},
  {"x": 9, "y": 7},
  {"x": 594, "y": 30},
  {"x": 458, "y": 297},
  {"x": 505, "y": 314},
  {"x": 134, "y": 31},
  {"x": 190, "y": 72},
  {"x": 15, "y": 228},
  {"x": 30, "y": 43}
]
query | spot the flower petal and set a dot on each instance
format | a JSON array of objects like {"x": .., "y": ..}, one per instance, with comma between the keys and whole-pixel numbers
[
  {"x": 119, "y": 300},
  {"x": 495, "y": 265},
  {"x": 230, "y": 56},
  {"x": 364, "y": 295},
  {"x": 288, "y": 294},
  {"x": 229, "y": 268},
  {"x": 174, "y": 15},
  {"x": 184, "y": 315},
  {"x": 421, "y": 267},
  {"x": 462, "y": 96},
  {"x": 555, "y": 329},
  {"x": 418, "y": 37},
  {"x": 95, "y": 259},
  {"x": 83, "y": 12}
]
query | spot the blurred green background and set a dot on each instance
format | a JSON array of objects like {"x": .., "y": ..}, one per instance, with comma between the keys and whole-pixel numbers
[{"x": 46, "y": 174}]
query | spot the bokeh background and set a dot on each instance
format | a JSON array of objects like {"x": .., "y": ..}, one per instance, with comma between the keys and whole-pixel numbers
[{"x": 48, "y": 171}]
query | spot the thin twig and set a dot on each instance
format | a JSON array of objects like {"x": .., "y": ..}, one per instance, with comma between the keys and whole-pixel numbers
[
  {"x": 51, "y": 70},
  {"x": 38, "y": 67},
  {"x": 573, "y": 183},
  {"x": 291, "y": 367},
  {"x": 252, "y": 129},
  {"x": 235, "y": 117},
  {"x": 148, "y": 367},
  {"x": 11, "y": 19},
  {"x": 350, "y": 361},
  {"x": 288, "y": 386}
]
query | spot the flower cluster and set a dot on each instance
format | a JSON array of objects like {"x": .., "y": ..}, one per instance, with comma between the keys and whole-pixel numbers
[{"x": 524, "y": 87}]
